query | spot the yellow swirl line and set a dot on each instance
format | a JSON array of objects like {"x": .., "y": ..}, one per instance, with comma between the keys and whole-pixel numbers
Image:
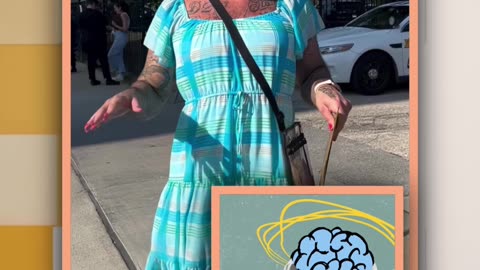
[{"x": 342, "y": 212}]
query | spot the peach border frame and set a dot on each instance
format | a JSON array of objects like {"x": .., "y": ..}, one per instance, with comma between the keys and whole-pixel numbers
[
  {"x": 219, "y": 191},
  {"x": 66, "y": 135}
]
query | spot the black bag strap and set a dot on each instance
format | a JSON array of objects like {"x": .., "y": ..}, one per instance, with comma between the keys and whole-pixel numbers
[{"x": 247, "y": 57}]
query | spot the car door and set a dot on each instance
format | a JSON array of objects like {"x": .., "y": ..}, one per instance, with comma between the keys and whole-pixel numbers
[{"x": 405, "y": 34}]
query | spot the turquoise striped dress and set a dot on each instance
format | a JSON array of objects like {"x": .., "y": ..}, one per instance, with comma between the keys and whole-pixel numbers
[{"x": 226, "y": 134}]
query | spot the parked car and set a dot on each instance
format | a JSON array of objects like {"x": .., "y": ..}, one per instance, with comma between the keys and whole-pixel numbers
[{"x": 372, "y": 51}]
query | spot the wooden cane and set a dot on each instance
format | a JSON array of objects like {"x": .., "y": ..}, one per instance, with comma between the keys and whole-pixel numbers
[{"x": 323, "y": 172}]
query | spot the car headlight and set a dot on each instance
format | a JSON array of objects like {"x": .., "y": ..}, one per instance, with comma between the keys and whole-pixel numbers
[{"x": 335, "y": 48}]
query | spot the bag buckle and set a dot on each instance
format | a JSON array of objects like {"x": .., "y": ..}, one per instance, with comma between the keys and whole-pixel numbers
[{"x": 297, "y": 143}]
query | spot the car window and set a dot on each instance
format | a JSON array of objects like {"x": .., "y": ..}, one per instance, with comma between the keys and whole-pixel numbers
[
  {"x": 388, "y": 17},
  {"x": 406, "y": 28}
]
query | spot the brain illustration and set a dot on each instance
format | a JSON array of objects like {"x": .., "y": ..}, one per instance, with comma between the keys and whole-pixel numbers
[{"x": 325, "y": 249}]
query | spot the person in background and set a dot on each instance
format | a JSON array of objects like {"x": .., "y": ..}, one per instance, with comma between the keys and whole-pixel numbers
[
  {"x": 120, "y": 25},
  {"x": 94, "y": 41},
  {"x": 74, "y": 45}
]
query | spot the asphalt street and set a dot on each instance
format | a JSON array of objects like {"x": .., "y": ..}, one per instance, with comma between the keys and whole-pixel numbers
[{"x": 125, "y": 163}]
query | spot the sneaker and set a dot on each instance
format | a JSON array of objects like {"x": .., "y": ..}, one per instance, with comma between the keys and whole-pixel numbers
[
  {"x": 119, "y": 77},
  {"x": 112, "y": 82},
  {"x": 94, "y": 82}
]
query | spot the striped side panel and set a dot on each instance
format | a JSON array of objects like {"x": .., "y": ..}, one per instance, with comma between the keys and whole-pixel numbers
[{"x": 30, "y": 130}]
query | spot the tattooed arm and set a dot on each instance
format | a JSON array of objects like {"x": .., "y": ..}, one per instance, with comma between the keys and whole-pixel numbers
[
  {"x": 153, "y": 86},
  {"x": 327, "y": 98},
  {"x": 145, "y": 97}
]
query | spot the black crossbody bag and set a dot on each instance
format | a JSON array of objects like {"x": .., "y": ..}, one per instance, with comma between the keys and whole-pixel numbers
[{"x": 294, "y": 143}]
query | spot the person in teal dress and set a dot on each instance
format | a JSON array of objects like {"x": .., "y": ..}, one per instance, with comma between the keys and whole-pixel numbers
[{"x": 226, "y": 134}]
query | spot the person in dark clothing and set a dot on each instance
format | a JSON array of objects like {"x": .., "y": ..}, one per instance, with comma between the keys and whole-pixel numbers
[
  {"x": 74, "y": 43},
  {"x": 94, "y": 41}
]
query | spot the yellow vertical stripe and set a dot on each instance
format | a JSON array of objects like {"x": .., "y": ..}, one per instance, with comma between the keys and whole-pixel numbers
[
  {"x": 31, "y": 89},
  {"x": 26, "y": 248}
]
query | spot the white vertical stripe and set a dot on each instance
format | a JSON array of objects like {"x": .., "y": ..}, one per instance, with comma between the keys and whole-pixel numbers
[
  {"x": 29, "y": 180},
  {"x": 31, "y": 22}
]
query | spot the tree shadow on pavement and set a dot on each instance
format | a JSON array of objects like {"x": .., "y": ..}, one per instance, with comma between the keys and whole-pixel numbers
[{"x": 86, "y": 99}]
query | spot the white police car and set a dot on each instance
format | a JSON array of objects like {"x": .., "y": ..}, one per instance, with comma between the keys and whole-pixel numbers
[{"x": 370, "y": 52}]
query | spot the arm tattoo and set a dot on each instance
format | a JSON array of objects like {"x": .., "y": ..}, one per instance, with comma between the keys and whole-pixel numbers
[
  {"x": 152, "y": 59},
  {"x": 156, "y": 76},
  {"x": 307, "y": 87},
  {"x": 328, "y": 90},
  {"x": 153, "y": 87}
]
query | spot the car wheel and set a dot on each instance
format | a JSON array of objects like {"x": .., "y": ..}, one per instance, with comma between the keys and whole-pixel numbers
[{"x": 372, "y": 73}]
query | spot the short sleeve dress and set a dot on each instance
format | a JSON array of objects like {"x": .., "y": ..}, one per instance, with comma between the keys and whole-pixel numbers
[{"x": 226, "y": 134}]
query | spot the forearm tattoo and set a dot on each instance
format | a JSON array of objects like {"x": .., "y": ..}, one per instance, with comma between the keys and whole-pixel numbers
[
  {"x": 307, "y": 87},
  {"x": 327, "y": 89}
]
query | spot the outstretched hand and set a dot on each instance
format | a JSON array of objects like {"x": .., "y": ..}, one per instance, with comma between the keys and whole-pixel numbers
[
  {"x": 114, "y": 107},
  {"x": 329, "y": 101}
]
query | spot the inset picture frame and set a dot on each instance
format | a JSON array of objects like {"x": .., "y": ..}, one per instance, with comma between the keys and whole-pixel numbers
[{"x": 308, "y": 228}]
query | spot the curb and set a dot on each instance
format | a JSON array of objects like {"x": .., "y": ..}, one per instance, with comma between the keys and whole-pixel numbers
[{"x": 114, "y": 236}]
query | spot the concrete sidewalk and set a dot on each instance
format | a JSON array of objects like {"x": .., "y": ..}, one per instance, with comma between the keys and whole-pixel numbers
[
  {"x": 90, "y": 235},
  {"x": 126, "y": 164}
]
